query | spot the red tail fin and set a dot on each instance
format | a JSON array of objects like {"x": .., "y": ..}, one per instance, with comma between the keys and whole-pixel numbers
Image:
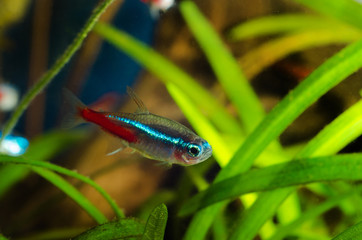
[{"x": 72, "y": 109}]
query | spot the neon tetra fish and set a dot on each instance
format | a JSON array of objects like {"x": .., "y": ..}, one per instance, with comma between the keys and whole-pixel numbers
[{"x": 153, "y": 136}]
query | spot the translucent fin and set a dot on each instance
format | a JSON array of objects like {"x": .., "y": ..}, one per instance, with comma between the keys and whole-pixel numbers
[
  {"x": 115, "y": 145},
  {"x": 71, "y": 109},
  {"x": 141, "y": 106},
  {"x": 115, "y": 151},
  {"x": 165, "y": 165},
  {"x": 132, "y": 151}
]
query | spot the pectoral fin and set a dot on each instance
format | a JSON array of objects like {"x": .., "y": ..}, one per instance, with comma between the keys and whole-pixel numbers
[
  {"x": 165, "y": 165},
  {"x": 115, "y": 145},
  {"x": 115, "y": 151}
]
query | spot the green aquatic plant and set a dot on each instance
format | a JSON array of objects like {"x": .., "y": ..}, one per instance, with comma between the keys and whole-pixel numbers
[
  {"x": 16, "y": 168},
  {"x": 333, "y": 71},
  {"x": 250, "y": 139},
  {"x": 131, "y": 228}
]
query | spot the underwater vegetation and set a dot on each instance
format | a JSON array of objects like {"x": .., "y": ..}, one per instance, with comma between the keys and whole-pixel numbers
[{"x": 260, "y": 187}]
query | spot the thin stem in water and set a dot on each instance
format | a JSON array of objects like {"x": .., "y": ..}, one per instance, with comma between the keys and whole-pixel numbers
[{"x": 54, "y": 70}]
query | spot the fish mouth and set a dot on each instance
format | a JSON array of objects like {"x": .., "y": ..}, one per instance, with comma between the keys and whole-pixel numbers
[
  {"x": 207, "y": 151},
  {"x": 206, "y": 154}
]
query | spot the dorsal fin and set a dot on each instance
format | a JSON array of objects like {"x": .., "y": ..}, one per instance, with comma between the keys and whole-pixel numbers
[{"x": 141, "y": 106}]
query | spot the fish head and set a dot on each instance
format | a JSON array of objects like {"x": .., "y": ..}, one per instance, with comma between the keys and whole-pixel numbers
[{"x": 194, "y": 152}]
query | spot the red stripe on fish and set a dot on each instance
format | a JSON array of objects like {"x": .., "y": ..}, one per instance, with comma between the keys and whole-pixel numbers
[{"x": 99, "y": 119}]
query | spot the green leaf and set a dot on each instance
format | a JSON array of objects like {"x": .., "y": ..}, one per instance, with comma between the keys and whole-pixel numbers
[
  {"x": 51, "y": 143},
  {"x": 257, "y": 211},
  {"x": 156, "y": 199},
  {"x": 254, "y": 61},
  {"x": 336, "y": 135},
  {"x": 225, "y": 67},
  {"x": 156, "y": 224},
  {"x": 277, "y": 24},
  {"x": 72, "y": 192},
  {"x": 333, "y": 71},
  {"x": 354, "y": 232},
  {"x": 343, "y": 167},
  {"x": 9, "y": 176},
  {"x": 167, "y": 72},
  {"x": 2, "y": 237},
  {"x": 348, "y": 11},
  {"x": 330, "y": 140},
  {"x": 48, "y": 166},
  {"x": 125, "y": 228},
  {"x": 220, "y": 227},
  {"x": 312, "y": 213},
  {"x": 41, "y": 149},
  {"x": 329, "y": 74}
]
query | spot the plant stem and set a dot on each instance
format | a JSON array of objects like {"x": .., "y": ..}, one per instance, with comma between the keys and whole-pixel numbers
[{"x": 54, "y": 70}]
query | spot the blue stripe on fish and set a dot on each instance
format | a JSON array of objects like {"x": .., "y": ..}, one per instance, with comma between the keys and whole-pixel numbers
[{"x": 150, "y": 131}]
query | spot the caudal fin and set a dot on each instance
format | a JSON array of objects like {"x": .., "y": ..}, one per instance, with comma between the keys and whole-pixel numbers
[{"x": 71, "y": 110}]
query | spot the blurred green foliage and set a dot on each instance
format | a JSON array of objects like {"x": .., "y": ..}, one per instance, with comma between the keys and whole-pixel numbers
[
  {"x": 291, "y": 40},
  {"x": 239, "y": 142}
]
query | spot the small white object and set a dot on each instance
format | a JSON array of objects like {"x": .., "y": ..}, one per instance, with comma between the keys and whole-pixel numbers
[
  {"x": 9, "y": 97},
  {"x": 157, "y": 6},
  {"x": 163, "y": 4}
]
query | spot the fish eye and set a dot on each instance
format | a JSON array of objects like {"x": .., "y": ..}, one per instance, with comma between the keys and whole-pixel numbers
[{"x": 193, "y": 150}]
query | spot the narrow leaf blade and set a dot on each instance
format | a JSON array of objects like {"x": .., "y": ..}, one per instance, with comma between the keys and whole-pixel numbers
[
  {"x": 277, "y": 24},
  {"x": 348, "y": 11},
  {"x": 354, "y": 232},
  {"x": 72, "y": 192},
  {"x": 343, "y": 167},
  {"x": 168, "y": 72},
  {"x": 333, "y": 71},
  {"x": 40, "y": 149},
  {"x": 225, "y": 67},
  {"x": 156, "y": 224}
]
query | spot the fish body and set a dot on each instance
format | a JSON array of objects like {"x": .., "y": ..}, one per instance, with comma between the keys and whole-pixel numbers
[{"x": 153, "y": 136}]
